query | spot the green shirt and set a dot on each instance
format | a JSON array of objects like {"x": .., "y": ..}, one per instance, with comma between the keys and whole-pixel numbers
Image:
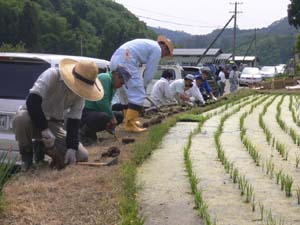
[{"x": 104, "y": 105}]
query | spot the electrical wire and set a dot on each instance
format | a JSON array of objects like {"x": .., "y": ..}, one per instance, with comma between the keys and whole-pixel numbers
[{"x": 175, "y": 23}]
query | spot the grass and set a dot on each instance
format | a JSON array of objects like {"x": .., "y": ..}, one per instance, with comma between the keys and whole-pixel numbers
[{"x": 6, "y": 167}]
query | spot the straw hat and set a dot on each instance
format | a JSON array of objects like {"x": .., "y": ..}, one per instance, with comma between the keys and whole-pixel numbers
[
  {"x": 167, "y": 42},
  {"x": 81, "y": 78}
]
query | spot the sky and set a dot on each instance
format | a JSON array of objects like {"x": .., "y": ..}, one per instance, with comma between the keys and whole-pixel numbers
[{"x": 203, "y": 16}]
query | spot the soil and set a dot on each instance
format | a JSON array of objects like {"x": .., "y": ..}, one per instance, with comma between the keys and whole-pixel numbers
[
  {"x": 73, "y": 196},
  {"x": 77, "y": 194}
]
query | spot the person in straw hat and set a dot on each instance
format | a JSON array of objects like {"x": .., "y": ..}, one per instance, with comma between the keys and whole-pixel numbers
[
  {"x": 57, "y": 96},
  {"x": 133, "y": 55}
]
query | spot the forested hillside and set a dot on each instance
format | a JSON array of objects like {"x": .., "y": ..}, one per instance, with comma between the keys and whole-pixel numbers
[
  {"x": 64, "y": 26},
  {"x": 274, "y": 43}
]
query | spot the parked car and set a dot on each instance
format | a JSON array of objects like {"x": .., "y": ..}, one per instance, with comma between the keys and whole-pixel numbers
[
  {"x": 281, "y": 68},
  {"x": 177, "y": 70},
  {"x": 250, "y": 75},
  {"x": 18, "y": 73},
  {"x": 211, "y": 79},
  {"x": 268, "y": 72}
]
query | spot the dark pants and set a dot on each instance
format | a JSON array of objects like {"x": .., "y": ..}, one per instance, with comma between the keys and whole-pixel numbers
[{"x": 97, "y": 121}]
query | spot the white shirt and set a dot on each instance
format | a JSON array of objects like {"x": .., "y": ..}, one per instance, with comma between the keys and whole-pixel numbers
[
  {"x": 222, "y": 76},
  {"x": 161, "y": 93},
  {"x": 195, "y": 92},
  {"x": 177, "y": 87}
]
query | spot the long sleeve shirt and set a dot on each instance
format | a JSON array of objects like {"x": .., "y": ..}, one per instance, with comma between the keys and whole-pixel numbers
[
  {"x": 161, "y": 93},
  {"x": 195, "y": 92},
  {"x": 205, "y": 87},
  {"x": 104, "y": 105},
  {"x": 138, "y": 52}
]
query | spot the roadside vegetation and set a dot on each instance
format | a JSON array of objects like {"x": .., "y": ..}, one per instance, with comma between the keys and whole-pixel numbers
[{"x": 6, "y": 168}]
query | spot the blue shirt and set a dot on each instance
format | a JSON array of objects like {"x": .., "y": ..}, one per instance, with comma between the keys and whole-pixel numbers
[{"x": 205, "y": 87}]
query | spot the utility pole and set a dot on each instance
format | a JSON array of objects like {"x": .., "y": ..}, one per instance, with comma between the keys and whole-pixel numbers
[
  {"x": 234, "y": 29},
  {"x": 216, "y": 38},
  {"x": 255, "y": 53},
  {"x": 81, "y": 45}
]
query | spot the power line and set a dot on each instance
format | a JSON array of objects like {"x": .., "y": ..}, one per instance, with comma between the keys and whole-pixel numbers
[
  {"x": 175, "y": 23},
  {"x": 167, "y": 15}
]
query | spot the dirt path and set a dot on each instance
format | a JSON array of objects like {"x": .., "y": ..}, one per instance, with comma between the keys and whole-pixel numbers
[
  {"x": 266, "y": 191},
  {"x": 164, "y": 196}
]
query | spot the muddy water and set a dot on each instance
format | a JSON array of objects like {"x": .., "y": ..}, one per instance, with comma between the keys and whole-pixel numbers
[
  {"x": 278, "y": 133},
  {"x": 164, "y": 196},
  {"x": 257, "y": 137},
  {"x": 223, "y": 198},
  {"x": 266, "y": 191}
]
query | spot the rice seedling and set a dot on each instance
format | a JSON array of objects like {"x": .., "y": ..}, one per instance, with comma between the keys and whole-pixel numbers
[
  {"x": 288, "y": 185},
  {"x": 298, "y": 195},
  {"x": 242, "y": 184},
  {"x": 261, "y": 210},
  {"x": 286, "y": 155},
  {"x": 253, "y": 203},
  {"x": 249, "y": 193},
  {"x": 235, "y": 175},
  {"x": 273, "y": 143},
  {"x": 278, "y": 174},
  {"x": 282, "y": 181},
  {"x": 270, "y": 167}
]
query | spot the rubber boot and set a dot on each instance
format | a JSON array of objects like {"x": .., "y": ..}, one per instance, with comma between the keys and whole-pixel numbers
[
  {"x": 39, "y": 152},
  {"x": 137, "y": 122},
  {"x": 87, "y": 136},
  {"x": 27, "y": 158},
  {"x": 130, "y": 121}
]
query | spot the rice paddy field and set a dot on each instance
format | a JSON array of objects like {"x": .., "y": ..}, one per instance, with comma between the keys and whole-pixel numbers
[{"x": 237, "y": 164}]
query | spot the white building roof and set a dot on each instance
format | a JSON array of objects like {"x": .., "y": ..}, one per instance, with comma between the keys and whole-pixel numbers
[
  {"x": 195, "y": 51},
  {"x": 241, "y": 58}
]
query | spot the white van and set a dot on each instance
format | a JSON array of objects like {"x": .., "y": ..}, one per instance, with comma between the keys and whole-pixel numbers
[{"x": 18, "y": 72}]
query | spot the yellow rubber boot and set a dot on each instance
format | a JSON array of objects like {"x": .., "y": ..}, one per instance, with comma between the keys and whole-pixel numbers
[
  {"x": 137, "y": 122},
  {"x": 130, "y": 121},
  {"x": 124, "y": 112}
]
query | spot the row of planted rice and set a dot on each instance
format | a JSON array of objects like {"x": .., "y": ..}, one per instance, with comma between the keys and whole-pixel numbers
[{"x": 246, "y": 160}]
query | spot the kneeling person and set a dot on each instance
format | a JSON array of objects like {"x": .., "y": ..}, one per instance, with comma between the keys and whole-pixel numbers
[
  {"x": 98, "y": 115},
  {"x": 57, "y": 96}
]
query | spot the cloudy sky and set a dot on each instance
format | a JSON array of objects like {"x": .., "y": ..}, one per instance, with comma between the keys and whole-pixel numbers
[{"x": 203, "y": 16}]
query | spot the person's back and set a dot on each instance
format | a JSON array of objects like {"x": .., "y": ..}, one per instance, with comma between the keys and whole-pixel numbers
[
  {"x": 139, "y": 50},
  {"x": 161, "y": 93}
]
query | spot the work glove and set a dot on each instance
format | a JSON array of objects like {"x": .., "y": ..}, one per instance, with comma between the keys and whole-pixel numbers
[
  {"x": 192, "y": 99},
  {"x": 48, "y": 138},
  {"x": 70, "y": 157},
  {"x": 214, "y": 98}
]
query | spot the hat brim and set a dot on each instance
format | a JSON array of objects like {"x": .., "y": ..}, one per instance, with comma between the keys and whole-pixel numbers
[
  {"x": 162, "y": 38},
  {"x": 89, "y": 92}
]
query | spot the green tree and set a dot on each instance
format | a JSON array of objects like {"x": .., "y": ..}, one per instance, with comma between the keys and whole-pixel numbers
[
  {"x": 28, "y": 25},
  {"x": 297, "y": 44},
  {"x": 294, "y": 13},
  {"x": 9, "y": 17},
  {"x": 12, "y": 48}
]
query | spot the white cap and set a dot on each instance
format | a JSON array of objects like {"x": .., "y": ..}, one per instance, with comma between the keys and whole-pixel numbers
[{"x": 189, "y": 77}]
